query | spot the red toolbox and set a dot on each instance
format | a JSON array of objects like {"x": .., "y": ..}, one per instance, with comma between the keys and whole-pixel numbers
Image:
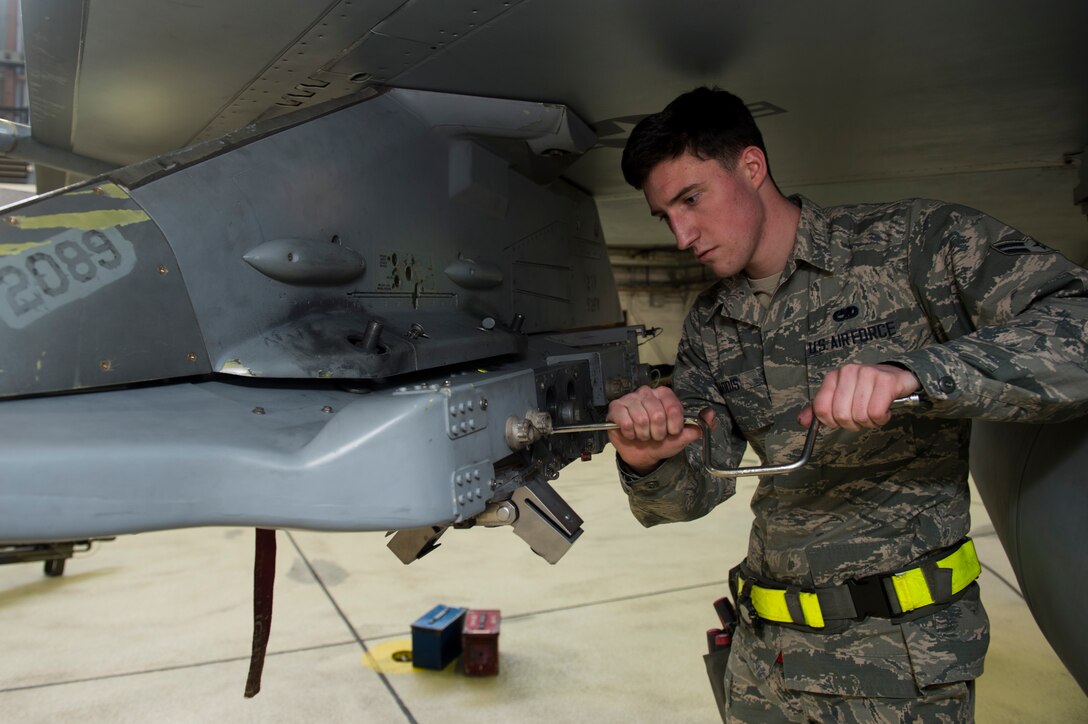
[{"x": 481, "y": 643}]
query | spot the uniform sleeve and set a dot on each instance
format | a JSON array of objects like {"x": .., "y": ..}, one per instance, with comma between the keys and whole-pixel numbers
[
  {"x": 1011, "y": 316},
  {"x": 680, "y": 489}
]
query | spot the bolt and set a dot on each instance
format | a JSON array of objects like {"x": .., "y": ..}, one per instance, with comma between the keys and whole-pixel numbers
[
  {"x": 191, "y": 357},
  {"x": 104, "y": 364},
  {"x": 327, "y": 409},
  {"x": 162, "y": 269},
  {"x": 258, "y": 410},
  {"x": 483, "y": 403},
  {"x": 372, "y": 335}
]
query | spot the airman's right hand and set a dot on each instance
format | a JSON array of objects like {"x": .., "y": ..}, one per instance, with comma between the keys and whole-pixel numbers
[{"x": 651, "y": 427}]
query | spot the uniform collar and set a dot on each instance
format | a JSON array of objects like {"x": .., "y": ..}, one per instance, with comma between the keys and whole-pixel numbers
[{"x": 811, "y": 247}]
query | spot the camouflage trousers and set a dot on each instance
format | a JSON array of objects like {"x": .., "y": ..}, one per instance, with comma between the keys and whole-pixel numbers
[{"x": 751, "y": 699}]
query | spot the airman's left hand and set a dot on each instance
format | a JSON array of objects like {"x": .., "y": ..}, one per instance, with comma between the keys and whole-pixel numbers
[{"x": 857, "y": 396}]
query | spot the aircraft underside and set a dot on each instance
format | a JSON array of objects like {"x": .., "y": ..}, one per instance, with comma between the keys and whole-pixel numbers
[{"x": 324, "y": 322}]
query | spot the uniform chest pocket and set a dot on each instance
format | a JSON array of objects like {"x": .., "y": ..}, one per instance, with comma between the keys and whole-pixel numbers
[{"x": 746, "y": 396}]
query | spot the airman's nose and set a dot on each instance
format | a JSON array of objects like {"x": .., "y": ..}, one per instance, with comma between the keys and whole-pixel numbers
[{"x": 686, "y": 235}]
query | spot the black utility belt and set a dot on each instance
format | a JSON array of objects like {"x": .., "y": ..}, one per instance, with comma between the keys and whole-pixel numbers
[{"x": 936, "y": 581}]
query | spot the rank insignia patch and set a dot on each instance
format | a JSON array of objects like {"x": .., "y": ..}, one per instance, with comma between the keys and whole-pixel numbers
[{"x": 1016, "y": 247}]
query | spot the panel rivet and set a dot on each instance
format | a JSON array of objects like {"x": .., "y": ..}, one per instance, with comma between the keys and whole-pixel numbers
[{"x": 104, "y": 364}]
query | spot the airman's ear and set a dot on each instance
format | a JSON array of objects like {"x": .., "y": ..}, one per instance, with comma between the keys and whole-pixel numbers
[{"x": 752, "y": 162}]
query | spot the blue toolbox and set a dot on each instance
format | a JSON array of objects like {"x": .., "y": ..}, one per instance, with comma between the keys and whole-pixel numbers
[{"x": 436, "y": 637}]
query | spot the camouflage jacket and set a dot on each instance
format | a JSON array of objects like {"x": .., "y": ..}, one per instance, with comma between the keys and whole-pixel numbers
[{"x": 992, "y": 323}]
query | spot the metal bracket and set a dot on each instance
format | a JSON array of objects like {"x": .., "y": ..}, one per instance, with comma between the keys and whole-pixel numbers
[
  {"x": 472, "y": 488},
  {"x": 467, "y": 408},
  {"x": 545, "y": 521},
  {"x": 413, "y": 543}
]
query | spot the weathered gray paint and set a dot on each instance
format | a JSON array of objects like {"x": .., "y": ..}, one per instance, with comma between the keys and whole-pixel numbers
[
  {"x": 380, "y": 385},
  {"x": 1032, "y": 480},
  {"x": 971, "y": 102}
]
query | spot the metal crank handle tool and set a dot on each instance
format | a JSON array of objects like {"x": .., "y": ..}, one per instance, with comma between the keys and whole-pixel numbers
[{"x": 911, "y": 401}]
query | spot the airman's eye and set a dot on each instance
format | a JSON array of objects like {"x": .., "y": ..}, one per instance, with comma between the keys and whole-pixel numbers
[{"x": 691, "y": 200}]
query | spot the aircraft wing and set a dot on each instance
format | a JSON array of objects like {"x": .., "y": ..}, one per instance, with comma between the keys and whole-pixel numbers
[{"x": 970, "y": 102}]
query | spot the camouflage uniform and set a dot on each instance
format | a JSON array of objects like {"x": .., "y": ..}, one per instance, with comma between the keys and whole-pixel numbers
[{"x": 991, "y": 322}]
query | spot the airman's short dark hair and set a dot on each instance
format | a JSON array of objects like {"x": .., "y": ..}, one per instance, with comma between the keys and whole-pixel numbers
[{"x": 710, "y": 123}]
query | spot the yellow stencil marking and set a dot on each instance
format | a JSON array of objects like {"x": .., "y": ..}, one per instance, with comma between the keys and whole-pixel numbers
[
  {"x": 85, "y": 221},
  {"x": 235, "y": 367},
  {"x": 381, "y": 657},
  {"x": 12, "y": 249},
  {"x": 109, "y": 190}
]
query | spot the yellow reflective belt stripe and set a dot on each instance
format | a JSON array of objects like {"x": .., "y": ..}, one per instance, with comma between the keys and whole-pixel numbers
[
  {"x": 771, "y": 605},
  {"x": 913, "y": 591},
  {"x": 964, "y": 564},
  {"x": 910, "y": 588}
]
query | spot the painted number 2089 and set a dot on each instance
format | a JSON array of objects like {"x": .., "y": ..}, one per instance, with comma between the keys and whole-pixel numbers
[
  {"x": 51, "y": 272},
  {"x": 75, "y": 265}
]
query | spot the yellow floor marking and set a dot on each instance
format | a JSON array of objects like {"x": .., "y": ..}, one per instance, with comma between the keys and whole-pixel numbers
[{"x": 381, "y": 657}]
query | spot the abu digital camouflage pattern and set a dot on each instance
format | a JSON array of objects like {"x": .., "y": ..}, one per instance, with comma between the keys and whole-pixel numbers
[
  {"x": 780, "y": 695},
  {"x": 927, "y": 285}
]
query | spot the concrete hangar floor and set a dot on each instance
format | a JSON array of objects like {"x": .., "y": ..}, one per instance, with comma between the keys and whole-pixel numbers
[{"x": 156, "y": 627}]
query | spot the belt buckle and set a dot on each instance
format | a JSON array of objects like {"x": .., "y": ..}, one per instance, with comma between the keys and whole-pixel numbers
[
  {"x": 871, "y": 598},
  {"x": 748, "y": 613}
]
